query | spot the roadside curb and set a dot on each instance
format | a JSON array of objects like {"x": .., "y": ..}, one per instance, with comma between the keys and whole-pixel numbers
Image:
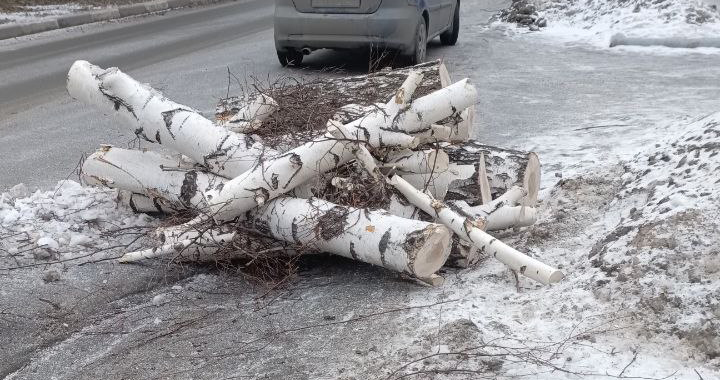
[{"x": 19, "y": 30}]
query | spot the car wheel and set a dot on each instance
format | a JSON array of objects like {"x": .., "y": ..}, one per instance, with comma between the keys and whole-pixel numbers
[
  {"x": 450, "y": 36},
  {"x": 420, "y": 52},
  {"x": 290, "y": 57}
]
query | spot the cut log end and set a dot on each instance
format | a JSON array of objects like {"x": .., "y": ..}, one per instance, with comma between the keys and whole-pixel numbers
[{"x": 433, "y": 252}]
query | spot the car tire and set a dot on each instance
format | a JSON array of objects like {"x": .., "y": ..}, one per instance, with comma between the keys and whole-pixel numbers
[
  {"x": 420, "y": 41},
  {"x": 290, "y": 57},
  {"x": 450, "y": 36}
]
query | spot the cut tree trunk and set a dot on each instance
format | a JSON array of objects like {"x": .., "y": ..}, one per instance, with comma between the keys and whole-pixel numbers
[
  {"x": 410, "y": 246},
  {"x": 162, "y": 121}
]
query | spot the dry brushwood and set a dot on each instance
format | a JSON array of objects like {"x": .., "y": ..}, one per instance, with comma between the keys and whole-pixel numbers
[{"x": 378, "y": 168}]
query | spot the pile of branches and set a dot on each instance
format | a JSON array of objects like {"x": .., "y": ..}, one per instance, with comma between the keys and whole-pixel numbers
[{"x": 378, "y": 168}]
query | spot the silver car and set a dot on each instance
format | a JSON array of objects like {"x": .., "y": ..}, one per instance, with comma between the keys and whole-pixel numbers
[{"x": 405, "y": 26}]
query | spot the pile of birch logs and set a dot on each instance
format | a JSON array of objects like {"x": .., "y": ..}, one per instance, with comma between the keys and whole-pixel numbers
[{"x": 391, "y": 179}]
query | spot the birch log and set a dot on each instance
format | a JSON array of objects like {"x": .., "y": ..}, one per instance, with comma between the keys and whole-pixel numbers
[
  {"x": 409, "y": 246},
  {"x": 504, "y": 167},
  {"x": 179, "y": 184},
  {"x": 162, "y": 121},
  {"x": 472, "y": 231},
  {"x": 201, "y": 247},
  {"x": 270, "y": 178}
]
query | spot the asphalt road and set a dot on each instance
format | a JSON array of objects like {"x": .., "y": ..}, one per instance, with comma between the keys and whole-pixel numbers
[{"x": 42, "y": 130}]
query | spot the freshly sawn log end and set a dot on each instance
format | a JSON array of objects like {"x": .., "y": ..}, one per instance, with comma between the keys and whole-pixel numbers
[{"x": 431, "y": 248}]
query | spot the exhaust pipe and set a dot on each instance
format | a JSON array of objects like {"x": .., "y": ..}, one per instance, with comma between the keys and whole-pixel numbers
[{"x": 306, "y": 51}]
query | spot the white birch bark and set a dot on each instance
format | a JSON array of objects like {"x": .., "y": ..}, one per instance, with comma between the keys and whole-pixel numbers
[
  {"x": 472, "y": 231},
  {"x": 160, "y": 120},
  {"x": 422, "y": 161},
  {"x": 376, "y": 237},
  {"x": 202, "y": 247},
  {"x": 179, "y": 183}
]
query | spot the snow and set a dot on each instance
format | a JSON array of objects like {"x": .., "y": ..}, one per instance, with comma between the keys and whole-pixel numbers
[
  {"x": 637, "y": 241},
  {"x": 38, "y": 13},
  {"x": 641, "y": 22},
  {"x": 68, "y": 222}
]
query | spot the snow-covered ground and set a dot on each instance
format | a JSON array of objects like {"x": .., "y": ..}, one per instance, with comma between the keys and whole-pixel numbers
[
  {"x": 638, "y": 241},
  {"x": 67, "y": 223},
  {"x": 634, "y": 22}
]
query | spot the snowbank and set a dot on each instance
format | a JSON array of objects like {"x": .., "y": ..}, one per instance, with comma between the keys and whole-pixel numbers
[
  {"x": 40, "y": 13},
  {"x": 639, "y": 244},
  {"x": 673, "y": 23},
  {"x": 67, "y": 223}
]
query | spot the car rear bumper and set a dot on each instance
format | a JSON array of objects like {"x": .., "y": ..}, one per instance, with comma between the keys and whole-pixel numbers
[{"x": 390, "y": 26}]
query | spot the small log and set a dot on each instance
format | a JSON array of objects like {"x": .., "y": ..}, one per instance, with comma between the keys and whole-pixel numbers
[
  {"x": 202, "y": 247},
  {"x": 162, "y": 121},
  {"x": 409, "y": 246}
]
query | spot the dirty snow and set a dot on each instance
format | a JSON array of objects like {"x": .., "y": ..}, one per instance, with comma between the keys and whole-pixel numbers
[
  {"x": 69, "y": 222},
  {"x": 598, "y": 22},
  {"x": 39, "y": 13},
  {"x": 638, "y": 242}
]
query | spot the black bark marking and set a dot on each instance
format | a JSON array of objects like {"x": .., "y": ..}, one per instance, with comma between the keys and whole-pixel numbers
[
  {"x": 332, "y": 223},
  {"x": 117, "y": 102},
  {"x": 188, "y": 188},
  {"x": 383, "y": 245},
  {"x": 168, "y": 117},
  {"x": 249, "y": 141},
  {"x": 294, "y": 228},
  {"x": 352, "y": 251},
  {"x": 140, "y": 133},
  {"x": 157, "y": 137},
  {"x": 157, "y": 205},
  {"x": 263, "y": 227},
  {"x": 296, "y": 162},
  {"x": 274, "y": 181},
  {"x": 132, "y": 205}
]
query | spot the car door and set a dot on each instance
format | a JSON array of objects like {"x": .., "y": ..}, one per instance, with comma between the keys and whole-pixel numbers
[
  {"x": 437, "y": 23},
  {"x": 445, "y": 13}
]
